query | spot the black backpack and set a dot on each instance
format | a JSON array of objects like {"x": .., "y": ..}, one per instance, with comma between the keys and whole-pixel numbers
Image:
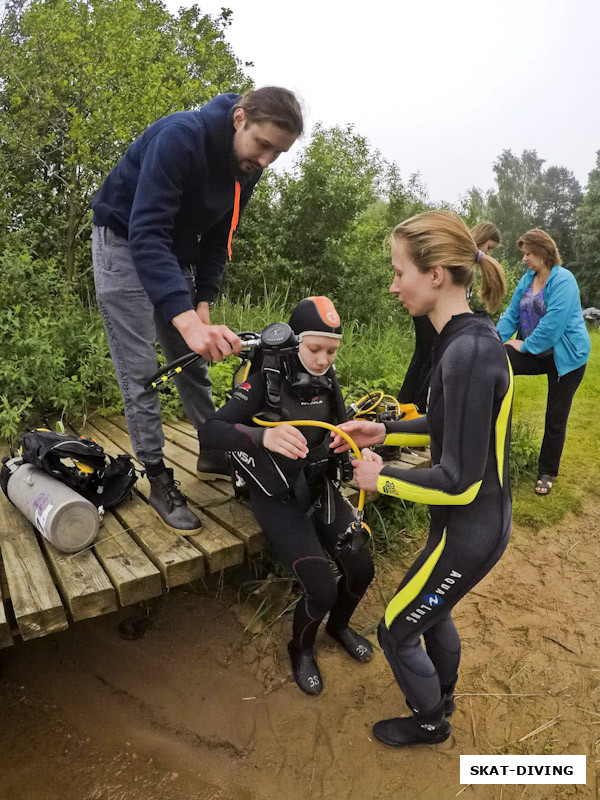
[{"x": 79, "y": 462}]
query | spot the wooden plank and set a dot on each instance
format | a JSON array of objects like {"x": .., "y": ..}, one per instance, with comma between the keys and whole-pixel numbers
[
  {"x": 6, "y": 639},
  {"x": 178, "y": 437},
  {"x": 185, "y": 427},
  {"x": 36, "y": 603},
  {"x": 220, "y": 548},
  {"x": 235, "y": 518},
  {"x": 84, "y": 585},
  {"x": 178, "y": 560},
  {"x": 133, "y": 575}
]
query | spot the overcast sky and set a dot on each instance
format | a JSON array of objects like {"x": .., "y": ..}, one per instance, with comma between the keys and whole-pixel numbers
[{"x": 441, "y": 88}]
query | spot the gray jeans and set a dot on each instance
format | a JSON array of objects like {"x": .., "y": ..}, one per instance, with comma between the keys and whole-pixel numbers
[{"x": 132, "y": 327}]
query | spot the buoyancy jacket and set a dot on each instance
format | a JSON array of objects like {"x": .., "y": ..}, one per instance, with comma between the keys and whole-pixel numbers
[
  {"x": 172, "y": 196},
  {"x": 231, "y": 429}
]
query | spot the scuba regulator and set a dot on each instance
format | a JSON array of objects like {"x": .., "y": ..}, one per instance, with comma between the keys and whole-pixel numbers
[{"x": 275, "y": 343}]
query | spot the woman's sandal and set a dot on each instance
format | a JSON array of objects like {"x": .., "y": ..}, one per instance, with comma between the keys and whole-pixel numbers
[{"x": 544, "y": 484}]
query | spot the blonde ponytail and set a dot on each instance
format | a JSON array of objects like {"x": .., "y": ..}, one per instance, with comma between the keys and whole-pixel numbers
[{"x": 493, "y": 283}]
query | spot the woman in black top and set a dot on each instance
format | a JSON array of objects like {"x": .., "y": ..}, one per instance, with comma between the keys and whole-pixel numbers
[
  {"x": 294, "y": 496},
  {"x": 467, "y": 486}
]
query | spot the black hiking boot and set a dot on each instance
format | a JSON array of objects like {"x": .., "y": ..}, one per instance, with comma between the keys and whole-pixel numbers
[
  {"x": 169, "y": 504},
  {"x": 306, "y": 670},
  {"x": 212, "y": 465},
  {"x": 352, "y": 642},
  {"x": 428, "y": 727}
]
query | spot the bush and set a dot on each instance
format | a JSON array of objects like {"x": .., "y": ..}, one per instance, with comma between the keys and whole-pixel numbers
[{"x": 524, "y": 449}]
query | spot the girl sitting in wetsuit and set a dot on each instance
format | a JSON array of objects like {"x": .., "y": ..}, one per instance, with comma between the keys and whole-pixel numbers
[
  {"x": 467, "y": 487},
  {"x": 294, "y": 495}
]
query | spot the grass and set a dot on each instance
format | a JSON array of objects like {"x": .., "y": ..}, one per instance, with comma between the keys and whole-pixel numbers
[{"x": 580, "y": 465}]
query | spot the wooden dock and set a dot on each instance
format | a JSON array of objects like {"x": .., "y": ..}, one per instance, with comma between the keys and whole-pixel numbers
[{"x": 134, "y": 557}]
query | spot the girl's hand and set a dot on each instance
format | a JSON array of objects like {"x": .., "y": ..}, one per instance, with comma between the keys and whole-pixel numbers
[
  {"x": 516, "y": 343},
  {"x": 366, "y": 473},
  {"x": 363, "y": 432},
  {"x": 285, "y": 440}
]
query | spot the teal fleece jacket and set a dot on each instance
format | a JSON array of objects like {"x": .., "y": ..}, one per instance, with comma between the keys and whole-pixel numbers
[{"x": 562, "y": 327}]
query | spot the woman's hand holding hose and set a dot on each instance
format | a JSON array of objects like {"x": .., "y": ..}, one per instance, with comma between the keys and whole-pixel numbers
[
  {"x": 367, "y": 471},
  {"x": 364, "y": 433}
]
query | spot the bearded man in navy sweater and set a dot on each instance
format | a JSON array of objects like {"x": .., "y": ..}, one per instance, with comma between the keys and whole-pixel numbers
[{"x": 163, "y": 225}]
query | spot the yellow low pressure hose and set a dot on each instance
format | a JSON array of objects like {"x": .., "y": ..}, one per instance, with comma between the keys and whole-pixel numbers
[{"x": 299, "y": 423}]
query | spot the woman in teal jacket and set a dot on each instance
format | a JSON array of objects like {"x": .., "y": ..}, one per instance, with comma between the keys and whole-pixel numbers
[{"x": 545, "y": 313}]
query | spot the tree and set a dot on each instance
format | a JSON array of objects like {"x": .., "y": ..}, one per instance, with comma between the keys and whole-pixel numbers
[
  {"x": 79, "y": 81},
  {"x": 559, "y": 195},
  {"x": 514, "y": 204},
  {"x": 587, "y": 240},
  {"x": 529, "y": 197}
]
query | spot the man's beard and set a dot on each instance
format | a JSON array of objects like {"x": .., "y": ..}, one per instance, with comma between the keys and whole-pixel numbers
[{"x": 235, "y": 166}]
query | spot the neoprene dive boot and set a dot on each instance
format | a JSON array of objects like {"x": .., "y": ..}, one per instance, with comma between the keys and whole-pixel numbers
[
  {"x": 213, "y": 464},
  {"x": 448, "y": 697},
  {"x": 424, "y": 727},
  {"x": 169, "y": 504},
  {"x": 305, "y": 670},
  {"x": 352, "y": 642}
]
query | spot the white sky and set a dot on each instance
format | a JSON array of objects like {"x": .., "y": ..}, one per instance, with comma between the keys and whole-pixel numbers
[{"x": 438, "y": 87}]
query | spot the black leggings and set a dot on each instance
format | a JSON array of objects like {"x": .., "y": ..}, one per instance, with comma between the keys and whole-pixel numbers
[
  {"x": 560, "y": 397},
  {"x": 301, "y": 542}
]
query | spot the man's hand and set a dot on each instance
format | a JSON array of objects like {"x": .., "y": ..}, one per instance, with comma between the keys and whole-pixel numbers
[
  {"x": 214, "y": 342},
  {"x": 286, "y": 440},
  {"x": 363, "y": 432}
]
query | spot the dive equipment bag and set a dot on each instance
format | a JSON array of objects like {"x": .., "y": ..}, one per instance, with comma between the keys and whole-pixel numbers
[{"x": 79, "y": 462}]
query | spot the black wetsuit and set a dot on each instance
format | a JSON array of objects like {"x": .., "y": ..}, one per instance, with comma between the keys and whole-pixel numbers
[
  {"x": 298, "y": 539},
  {"x": 416, "y": 381},
  {"x": 468, "y": 490}
]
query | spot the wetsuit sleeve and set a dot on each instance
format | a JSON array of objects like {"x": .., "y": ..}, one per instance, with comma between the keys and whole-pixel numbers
[
  {"x": 213, "y": 250},
  {"x": 470, "y": 371},
  {"x": 412, "y": 433},
  {"x": 228, "y": 429},
  {"x": 164, "y": 170}
]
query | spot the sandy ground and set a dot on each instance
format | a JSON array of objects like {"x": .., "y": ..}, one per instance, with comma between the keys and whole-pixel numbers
[{"x": 200, "y": 710}]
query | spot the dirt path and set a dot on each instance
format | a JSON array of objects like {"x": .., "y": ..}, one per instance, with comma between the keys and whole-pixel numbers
[{"x": 197, "y": 710}]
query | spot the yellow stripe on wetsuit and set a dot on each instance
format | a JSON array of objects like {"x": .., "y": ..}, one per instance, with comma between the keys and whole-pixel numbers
[
  {"x": 502, "y": 424},
  {"x": 395, "y": 487},
  {"x": 407, "y": 440},
  {"x": 415, "y": 585}
]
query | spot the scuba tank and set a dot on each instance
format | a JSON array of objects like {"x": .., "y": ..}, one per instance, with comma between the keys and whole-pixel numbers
[{"x": 65, "y": 518}]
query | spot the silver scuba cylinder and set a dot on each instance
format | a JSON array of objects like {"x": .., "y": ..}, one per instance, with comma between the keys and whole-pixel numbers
[{"x": 61, "y": 515}]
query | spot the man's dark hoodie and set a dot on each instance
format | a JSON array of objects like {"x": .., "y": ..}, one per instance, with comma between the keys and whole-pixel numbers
[{"x": 172, "y": 197}]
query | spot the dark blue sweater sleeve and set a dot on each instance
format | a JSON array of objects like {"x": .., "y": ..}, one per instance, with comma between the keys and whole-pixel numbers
[{"x": 164, "y": 170}]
